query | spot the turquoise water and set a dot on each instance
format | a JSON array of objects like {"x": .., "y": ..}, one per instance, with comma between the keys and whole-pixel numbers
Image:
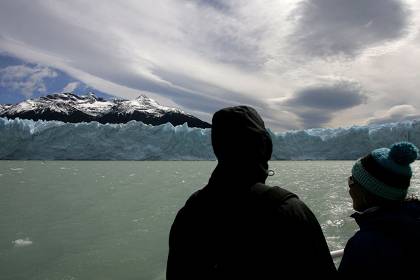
[{"x": 110, "y": 220}]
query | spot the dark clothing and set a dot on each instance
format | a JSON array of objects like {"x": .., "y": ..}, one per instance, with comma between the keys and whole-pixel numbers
[
  {"x": 228, "y": 230},
  {"x": 388, "y": 242},
  {"x": 235, "y": 229}
]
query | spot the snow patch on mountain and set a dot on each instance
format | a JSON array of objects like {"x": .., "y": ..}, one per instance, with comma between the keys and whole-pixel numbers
[
  {"x": 90, "y": 104},
  {"x": 73, "y": 108}
]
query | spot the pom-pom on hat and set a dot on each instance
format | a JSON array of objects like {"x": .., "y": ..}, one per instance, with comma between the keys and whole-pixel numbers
[{"x": 387, "y": 172}]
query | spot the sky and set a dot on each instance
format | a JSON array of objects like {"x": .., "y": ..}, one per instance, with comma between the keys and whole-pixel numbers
[{"x": 300, "y": 63}]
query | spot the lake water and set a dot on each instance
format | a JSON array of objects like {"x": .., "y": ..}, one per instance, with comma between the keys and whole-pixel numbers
[{"x": 110, "y": 220}]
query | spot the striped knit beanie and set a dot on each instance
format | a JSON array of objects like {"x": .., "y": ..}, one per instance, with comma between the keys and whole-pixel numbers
[{"x": 387, "y": 172}]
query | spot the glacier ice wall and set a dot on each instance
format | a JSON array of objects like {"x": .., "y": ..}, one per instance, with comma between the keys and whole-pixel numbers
[
  {"x": 342, "y": 143},
  {"x": 48, "y": 140}
]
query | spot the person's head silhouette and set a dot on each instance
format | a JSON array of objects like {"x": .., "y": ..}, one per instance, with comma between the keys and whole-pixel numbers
[{"x": 241, "y": 141}]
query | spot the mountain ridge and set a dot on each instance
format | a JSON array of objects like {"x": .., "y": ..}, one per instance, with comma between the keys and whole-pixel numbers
[{"x": 72, "y": 108}]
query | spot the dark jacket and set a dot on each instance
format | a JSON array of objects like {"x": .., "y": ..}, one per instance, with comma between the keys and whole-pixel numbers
[
  {"x": 232, "y": 229},
  {"x": 228, "y": 230},
  {"x": 388, "y": 242}
]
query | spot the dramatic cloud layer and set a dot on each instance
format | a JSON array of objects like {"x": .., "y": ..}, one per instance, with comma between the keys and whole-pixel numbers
[
  {"x": 202, "y": 55},
  {"x": 342, "y": 27},
  {"x": 315, "y": 105},
  {"x": 333, "y": 97}
]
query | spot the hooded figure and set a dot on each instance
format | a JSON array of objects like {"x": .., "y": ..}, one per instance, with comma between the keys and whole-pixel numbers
[{"x": 238, "y": 228}]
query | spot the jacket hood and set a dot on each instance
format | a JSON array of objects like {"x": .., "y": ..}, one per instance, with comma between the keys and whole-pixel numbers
[
  {"x": 241, "y": 144},
  {"x": 238, "y": 134}
]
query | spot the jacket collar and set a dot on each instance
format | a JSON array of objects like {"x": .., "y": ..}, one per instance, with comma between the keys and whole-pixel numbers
[
  {"x": 404, "y": 213},
  {"x": 237, "y": 175}
]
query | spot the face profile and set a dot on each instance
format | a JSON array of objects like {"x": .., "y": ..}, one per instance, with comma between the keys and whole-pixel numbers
[{"x": 357, "y": 195}]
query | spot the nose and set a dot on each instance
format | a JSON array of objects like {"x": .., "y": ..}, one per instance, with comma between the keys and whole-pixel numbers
[{"x": 350, "y": 181}]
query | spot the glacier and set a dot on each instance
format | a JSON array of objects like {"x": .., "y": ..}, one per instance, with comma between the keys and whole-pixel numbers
[{"x": 54, "y": 140}]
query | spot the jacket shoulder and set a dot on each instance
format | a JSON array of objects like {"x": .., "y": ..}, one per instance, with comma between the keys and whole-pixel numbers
[
  {"x": 274, "y": 193},
  {"x": 284, "y": 201}
]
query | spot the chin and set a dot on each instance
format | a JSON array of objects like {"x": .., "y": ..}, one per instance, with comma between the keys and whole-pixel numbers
[{"x": 358, "y": 208}]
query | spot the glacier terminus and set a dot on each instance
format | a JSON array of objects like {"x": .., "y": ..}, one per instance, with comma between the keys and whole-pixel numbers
[{"x": 55, "y": 140}]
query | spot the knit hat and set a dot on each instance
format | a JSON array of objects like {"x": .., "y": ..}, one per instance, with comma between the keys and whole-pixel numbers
[{"x": 386, "y": 172}]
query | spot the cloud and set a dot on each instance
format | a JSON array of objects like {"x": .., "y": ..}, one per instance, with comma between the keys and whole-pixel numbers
[
  {"x": 227, "y": 32},
  {"x": 279, "y": 119},
  {"x": 70, "y": 87},
  {"x": 142, "y": 42},
  {"x": 334, "y": 97},
  {"x": 26, "y": 80},
  {"x": 315, "y": 105},
  {"x": 221, "y": 5},
  {"x": 396, "y": 114},
  {"x": 314, "y": 118},
  {"x": 342, "y": 27}
]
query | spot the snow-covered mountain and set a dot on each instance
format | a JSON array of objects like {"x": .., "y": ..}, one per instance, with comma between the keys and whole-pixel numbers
[{"x": 68, "y": 107}]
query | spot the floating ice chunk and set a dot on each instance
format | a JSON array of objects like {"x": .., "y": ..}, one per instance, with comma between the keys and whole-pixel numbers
[
  {"x": 16, "y": 169},
  {"x": 22, "y": 242}
]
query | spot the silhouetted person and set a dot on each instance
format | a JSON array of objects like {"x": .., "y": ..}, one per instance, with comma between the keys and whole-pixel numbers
[
  {"x": 388, "y": 242},
  {"x": 238, "y": 228}
]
